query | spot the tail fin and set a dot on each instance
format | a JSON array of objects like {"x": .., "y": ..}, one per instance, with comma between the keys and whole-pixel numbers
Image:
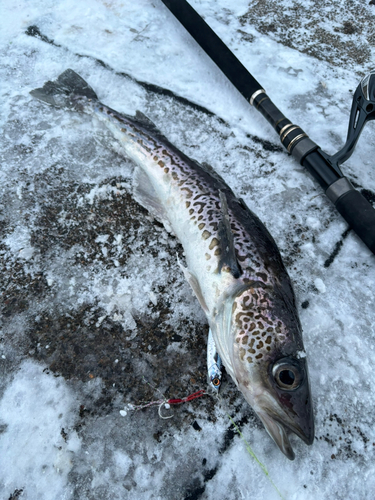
[{"x": 61, "y": 92}]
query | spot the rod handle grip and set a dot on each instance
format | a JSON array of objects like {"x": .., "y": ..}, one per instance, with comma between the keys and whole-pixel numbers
[{"x": 359, "y": 214}]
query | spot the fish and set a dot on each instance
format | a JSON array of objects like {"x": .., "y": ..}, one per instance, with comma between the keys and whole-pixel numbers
[{"x": 233, "y": 265}]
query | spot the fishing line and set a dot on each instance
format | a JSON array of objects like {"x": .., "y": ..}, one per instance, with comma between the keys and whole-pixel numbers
[
  {"x": 164, "y": 402},
  {"x": 252, "y": 454},
  {"x": 171, "y": 401},
  {"x": 249, "y": 449}
]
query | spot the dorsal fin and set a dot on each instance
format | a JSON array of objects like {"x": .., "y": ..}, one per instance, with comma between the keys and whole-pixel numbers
[
  {"x": 228, "y": 257},
  {"x": 206, "y": 166},
  {"x": 140, "y": 117},
  {"x": 150, "y": 125}
]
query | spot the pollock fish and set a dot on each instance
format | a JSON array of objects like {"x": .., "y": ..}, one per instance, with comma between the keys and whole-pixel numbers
[{"x": 233, "y": 266}]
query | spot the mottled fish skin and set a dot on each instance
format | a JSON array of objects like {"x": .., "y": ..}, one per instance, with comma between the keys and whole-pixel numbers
[{"x": 246, "y": 294}]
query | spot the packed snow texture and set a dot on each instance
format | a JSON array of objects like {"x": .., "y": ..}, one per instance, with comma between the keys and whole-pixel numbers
[{"x": 96, "y": 314}]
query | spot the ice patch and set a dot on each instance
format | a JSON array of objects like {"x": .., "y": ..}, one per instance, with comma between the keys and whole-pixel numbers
[
  {"x": 105, "y": 192},
  {"x": 301, "y": 354},
  {"x": 318, "y": 282},
  {"x": 153, "y": 298},
  {"x": 38, "y": 443},
  {"x": 102, "y": 238},
  {"x": 19, "y": 243}
]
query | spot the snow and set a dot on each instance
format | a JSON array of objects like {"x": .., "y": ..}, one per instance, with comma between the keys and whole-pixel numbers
[
  {"x": 96, "y": 314},
  {"x": 34, "y": 409}
]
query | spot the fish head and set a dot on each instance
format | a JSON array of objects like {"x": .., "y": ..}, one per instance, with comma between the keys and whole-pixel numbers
[
  {"x": 269, "y": 366},
  {"x": 279, "y": 393}
]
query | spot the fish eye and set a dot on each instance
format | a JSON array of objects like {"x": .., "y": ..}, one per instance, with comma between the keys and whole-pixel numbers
[
  {"x": 287, "y": 376},
  {"x": 216, "y": 382}
]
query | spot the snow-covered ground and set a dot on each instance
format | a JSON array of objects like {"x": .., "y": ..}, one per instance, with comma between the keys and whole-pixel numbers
[{"x": 95, "y": 311}]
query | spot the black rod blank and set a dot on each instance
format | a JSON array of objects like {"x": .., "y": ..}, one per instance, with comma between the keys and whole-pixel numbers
[
  {"x": 351, "y": 204},
  {"x": 227, "y": 62}
]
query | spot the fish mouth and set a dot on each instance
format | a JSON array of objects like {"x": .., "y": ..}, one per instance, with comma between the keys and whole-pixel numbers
[
  {"x": 279, "y": 427},
  {"x": 279, "y": 434},
  {"x": 280, "y": 420}
]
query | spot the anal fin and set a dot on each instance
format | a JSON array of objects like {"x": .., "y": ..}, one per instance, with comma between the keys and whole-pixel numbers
[
  {"x": 194, "y": 283},
  {"x": 145, "y": 194}
]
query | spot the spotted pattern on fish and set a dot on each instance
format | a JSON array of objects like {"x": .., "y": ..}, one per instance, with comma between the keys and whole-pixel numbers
[
  {"x": 233, "y": 264},
  {"x": 201, "y": 200},
  {"x": 258, "y": 333}
]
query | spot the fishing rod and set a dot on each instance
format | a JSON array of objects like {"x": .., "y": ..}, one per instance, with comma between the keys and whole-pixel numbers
[{"x": 350, "y": 203}]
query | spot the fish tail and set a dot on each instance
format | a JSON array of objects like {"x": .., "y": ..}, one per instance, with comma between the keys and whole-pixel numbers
[{"x": 69, "y": 91}]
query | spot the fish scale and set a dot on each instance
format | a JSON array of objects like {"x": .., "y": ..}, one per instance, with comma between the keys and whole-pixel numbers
[{"x": 233, "y": 265}]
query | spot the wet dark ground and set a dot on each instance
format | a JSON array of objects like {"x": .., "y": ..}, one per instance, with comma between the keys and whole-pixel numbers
[
  {"x": 77, "y": 348},
  {"x": 77, "y": 343},
  {"x": 344, "y": 36}
]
